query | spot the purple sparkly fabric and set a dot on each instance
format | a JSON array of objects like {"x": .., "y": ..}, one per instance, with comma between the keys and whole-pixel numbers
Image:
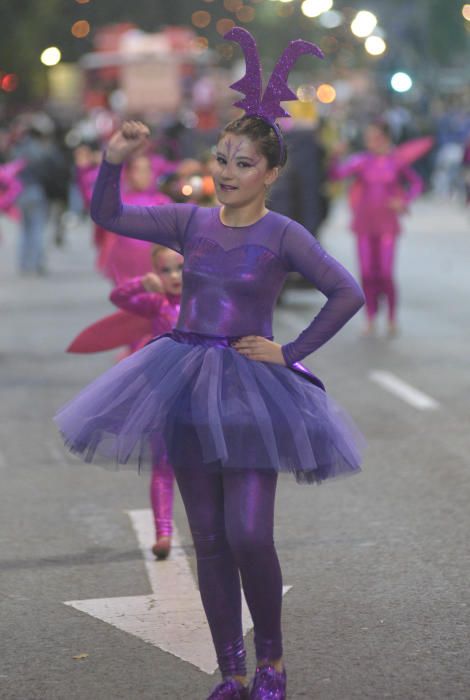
[
  {"x": 213, "y": 406},
  {"x": 267, "y": 106}
]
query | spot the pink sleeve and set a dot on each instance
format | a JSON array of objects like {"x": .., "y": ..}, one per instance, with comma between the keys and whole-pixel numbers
[
  {"x": 86, "y": 178},
  {"x": 132, "y": 296},
  {"x": 415, "y": 183},
  {"x": 10, "y": 188},
  {"x": 339, "y": 170}
]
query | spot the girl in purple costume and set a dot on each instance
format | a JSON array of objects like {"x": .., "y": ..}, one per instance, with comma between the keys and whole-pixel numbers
[
  {"x": 234, "y": 407},
  {"x": 157, "y": 296},
  {"x": 377, "y": 200}
]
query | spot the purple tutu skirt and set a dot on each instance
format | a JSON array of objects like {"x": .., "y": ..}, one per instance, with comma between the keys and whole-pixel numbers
[{"x": 206, "y": 406}]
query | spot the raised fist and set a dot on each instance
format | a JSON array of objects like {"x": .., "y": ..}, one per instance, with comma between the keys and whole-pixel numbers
[{"x": 131, "y": 139}]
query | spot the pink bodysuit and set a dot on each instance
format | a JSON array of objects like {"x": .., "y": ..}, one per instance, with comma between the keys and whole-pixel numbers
[
  {"x": 378, "y": 180},
  {"x": 120, "y": 259},
  {"x": 163, "y": 310}
]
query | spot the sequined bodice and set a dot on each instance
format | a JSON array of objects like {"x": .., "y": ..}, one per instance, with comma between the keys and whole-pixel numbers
[{"x": 233, "y": 275}]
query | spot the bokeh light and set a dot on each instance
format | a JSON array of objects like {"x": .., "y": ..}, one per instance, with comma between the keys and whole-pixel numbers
[
  {"x": 233, "y": 5},
  {"x": 201, "y": 19},
  {"x": 246, "y": 13},
  {"x": 306, "y": 93},
  {"x": 284, "y": 10},
  {"x": 326, "y": 93},
  {"x": 51, "y": 56},
  {"x": 224, "y": 25},
  {"x": 80, "y": 29},
  {"x": 82, "y": 2},
  {"x": 401, "y": 82},
  {"x": 200, "y": 43},
  {"x": 9, "y": 82},
  {"x": 225, "y": 51},
  {"x": 375, "y": 45},
  {"x": 331, "y": 19},
  {"x": 314, "y": 8},
  {"x": 187, "y": 190},
  {"x": 466, "y": 12},
  {"x": 363, "y": 24}
]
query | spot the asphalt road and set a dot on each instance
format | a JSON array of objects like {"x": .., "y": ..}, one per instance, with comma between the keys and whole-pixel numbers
[{"x": 379, "y": 564}]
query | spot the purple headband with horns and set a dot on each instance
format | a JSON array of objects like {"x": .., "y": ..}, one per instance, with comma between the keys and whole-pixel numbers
[{"x": 267, "y": 106}]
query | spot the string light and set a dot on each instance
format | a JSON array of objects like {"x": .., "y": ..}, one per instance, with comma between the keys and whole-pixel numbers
[
  {"x": 224, "y": 25},
  {"x": 9, "y": 82},
  {"x": 326, "y": 93},
  {"x": 201, "y": 19},
  {"x": 246, "y": 13},
  {"x": 375, "y": 45},
  {"x": 51, "y": 56},
  {"x": 81, "y": 29}
]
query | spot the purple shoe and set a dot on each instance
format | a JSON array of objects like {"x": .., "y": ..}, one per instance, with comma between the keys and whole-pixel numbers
[
  {"x": 269, "y": 684},
  {"x": 229, "y": 690}
]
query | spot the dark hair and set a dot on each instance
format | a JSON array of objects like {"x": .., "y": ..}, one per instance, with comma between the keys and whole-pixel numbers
[
  {"x": 269, "y": 144},
  {"x": 382, "y": 126}
]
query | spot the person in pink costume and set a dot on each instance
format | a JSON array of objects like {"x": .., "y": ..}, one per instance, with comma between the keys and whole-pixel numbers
[
  {"x": 10, "y": 186},
  {"x": 384, "y": 185},
  {"x": 120, "y": 259},
  {"x": 157, "y": 296}
]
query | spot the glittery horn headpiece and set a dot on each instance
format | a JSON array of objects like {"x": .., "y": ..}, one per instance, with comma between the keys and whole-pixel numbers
[{"x": 267, "y": 106}]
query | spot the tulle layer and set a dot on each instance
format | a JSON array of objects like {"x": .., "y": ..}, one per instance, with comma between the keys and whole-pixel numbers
[{"x": 209, "y": 407}]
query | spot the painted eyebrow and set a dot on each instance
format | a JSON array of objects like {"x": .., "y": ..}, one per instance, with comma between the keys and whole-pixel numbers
[{"x": 219, "y": 153}]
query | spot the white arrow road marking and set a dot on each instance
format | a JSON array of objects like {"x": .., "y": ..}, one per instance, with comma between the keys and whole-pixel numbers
[
  {"x": 172, "y": 617},
  {"x": 404, "y": 391}
]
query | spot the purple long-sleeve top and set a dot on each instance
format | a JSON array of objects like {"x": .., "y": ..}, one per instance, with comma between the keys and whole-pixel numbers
[
  {"x": 161, "y": 309},
  {"x": 378, "y": 180},
  {"x": 232, "y": 276}
]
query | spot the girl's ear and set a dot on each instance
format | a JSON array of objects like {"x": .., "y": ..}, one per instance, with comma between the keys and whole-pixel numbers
[{"x": 271, "y": 176}]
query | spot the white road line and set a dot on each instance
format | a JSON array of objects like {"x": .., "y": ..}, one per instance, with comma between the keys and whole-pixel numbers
[
  {"x": 414, "y": 397},
  {"x": 171, "y": 617}
]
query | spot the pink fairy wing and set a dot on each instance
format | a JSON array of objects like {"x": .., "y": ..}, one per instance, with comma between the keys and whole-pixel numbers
[
  {"x": 114, "y": 331},
  {"x": 410, "y": 151}
]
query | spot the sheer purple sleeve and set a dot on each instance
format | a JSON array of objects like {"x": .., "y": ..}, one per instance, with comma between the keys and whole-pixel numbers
[
  {"x": 302, "y": 253},
  {"x": 165, "y": 224}
]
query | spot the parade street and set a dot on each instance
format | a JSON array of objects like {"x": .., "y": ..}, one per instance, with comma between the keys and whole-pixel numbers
[{"x": 376, "y": 567}]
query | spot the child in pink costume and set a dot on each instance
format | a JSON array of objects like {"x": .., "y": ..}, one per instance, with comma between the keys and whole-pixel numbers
[
  {"x": 120, "y": 259},
  {"x": 10, "y": 186},
  {"x": 157, "y": 296},
  {"x": 377, "y": 199}
]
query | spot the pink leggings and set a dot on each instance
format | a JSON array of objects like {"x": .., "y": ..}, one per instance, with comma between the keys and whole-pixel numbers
[
  {"x": 376, "y": 259},
  {"x": 161, "y": 497}
]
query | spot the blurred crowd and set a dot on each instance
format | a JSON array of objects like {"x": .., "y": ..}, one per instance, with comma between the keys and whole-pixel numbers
[{"x": 47, "y": 169}]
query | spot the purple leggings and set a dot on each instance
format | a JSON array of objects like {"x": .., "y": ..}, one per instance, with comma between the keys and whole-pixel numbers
[
  {"x": 231, "y": 516},
  {"x": 376, "y": 259},
  {"x": 161, "y": 497}
]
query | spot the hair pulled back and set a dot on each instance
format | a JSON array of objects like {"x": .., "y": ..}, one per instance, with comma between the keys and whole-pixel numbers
[{"x": 263, "y": 136}]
